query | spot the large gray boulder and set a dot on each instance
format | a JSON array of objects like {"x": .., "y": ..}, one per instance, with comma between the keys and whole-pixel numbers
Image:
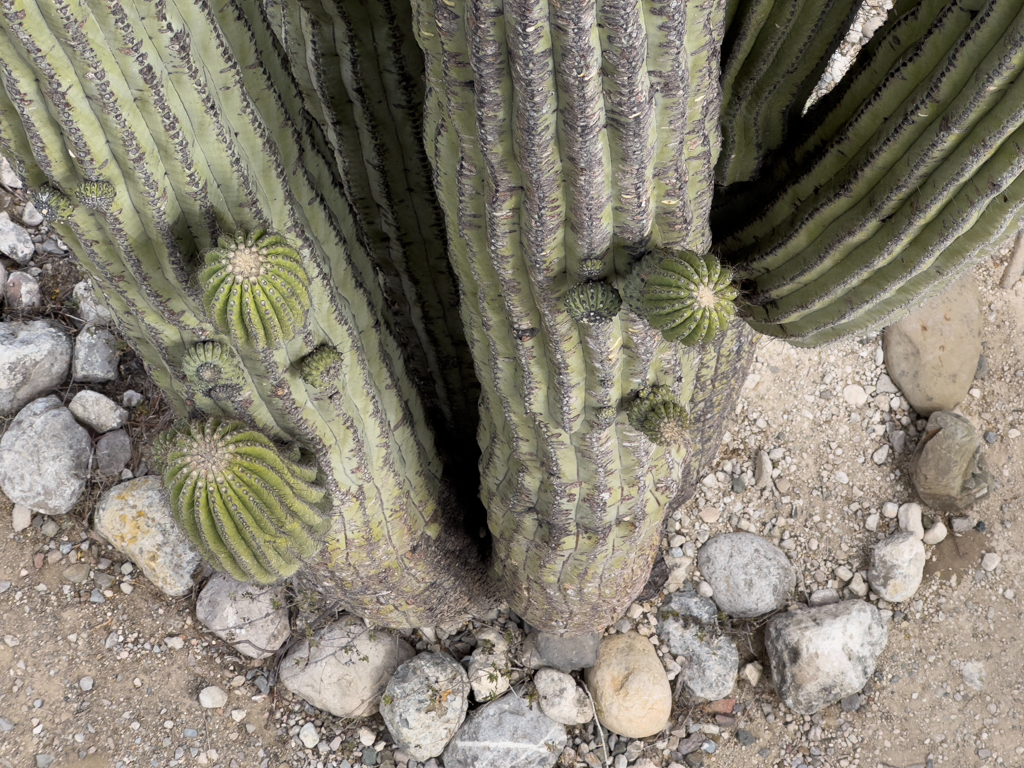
[
  {"x": 932, "y": 353},
  {"x": 688, "y": 626},
  {"x": 252, "y": 618},
  {"x": 135, "y": 517},
  {"x": 345, "y": 668},
  {"x": 506, "y": 733},
  {"x": 946, "y": 467},
  {"x": 750, "y": 576},
  {"x": 44, "y": 458},
  {"x": 424, "y": 704},
  {"x": 34, "y": 358},
  {"x": 820, "y": 655}
]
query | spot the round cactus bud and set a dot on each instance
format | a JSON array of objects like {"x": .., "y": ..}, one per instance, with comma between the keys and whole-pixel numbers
[
  {"x": 689, "y": 297},
  {"x": 209, "y": 364},
  {"x": 52, "y": 204},
  {"x": 592, "y": 302},
  {"x": 321, "y": 368},
  {"x": 591, "y": 269},
  {"x": 252, "y": 510},
  {"x": 659, "y": 415},
  {"x": 256, "y": 288},
  {"x": 96, "y": 195},
  {"x": 605, "y": 415}
]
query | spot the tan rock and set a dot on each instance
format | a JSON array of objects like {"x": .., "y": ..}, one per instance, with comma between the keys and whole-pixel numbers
[
  {"x": 932, "y": 354},
  {"x": 631, "y": 692}
]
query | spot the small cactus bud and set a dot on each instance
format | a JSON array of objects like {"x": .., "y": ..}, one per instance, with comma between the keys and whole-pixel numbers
[
  {"x": 321, "y": 368},
  {"x": 689, "y": 298},
  {"x": 52, "y": 204},
  {"x": 251, "y": 510},
  {"x": 591, "y": 269},
  {"x": 96, "y": 195},
  {"x": 256, "y": 288},
  {"x": 592, "y": 302},
  {"x": 659, "y": 415},
  {"x": 209, "y": 365}
]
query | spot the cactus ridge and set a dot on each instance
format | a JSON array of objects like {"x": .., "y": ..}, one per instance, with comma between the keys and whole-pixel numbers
[
  {"x": 659, "y": 415},
  {"x": 52, "y": 204},
  {"x": 96, "y": 195},
  {"x": 252, "y": 511},
  {"x": 322, "y": 368},
  {"x": 255, "y": 288},
  {"x": 593, "y": 302},
  {"x": 689, "y": 298}
]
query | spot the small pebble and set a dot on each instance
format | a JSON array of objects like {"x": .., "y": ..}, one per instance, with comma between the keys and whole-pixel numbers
[
  {"x": 855, "y": 395},
  {"x": 745, "y": 737},
  {"x": 991, "y": 437},
  {"x": 86, "y": 683},
  {"x": 308, "y": 736},
  {"x": 850, "y": 703},
  {"x": 990, "y": 561},
  {"x": 212, "y": 697},
  {"x": 704, "y": 589},
  {"x": 935, "y": 534},
  {"x": 238, "y": 715}
]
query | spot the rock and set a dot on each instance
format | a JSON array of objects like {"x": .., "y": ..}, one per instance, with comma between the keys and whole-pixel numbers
[
  {"x": 857, "y": 585},
  {"x": 489, "y": 665},
  {"x": 507, "y": 733},
  {"x": 253, "y": 619},
  {"x": 752, "y": 673},
  {"x": 962, "y": 524},
  {"x": 990, "y": 561},
  {"x": 688, "y": 625},
  {"x": 44, "y": 458},
  {"x": 823, "y": 597},
  {"x": 891, "y": 509},
  {"x": 879, "y": 456},
  {"x": 850, "y": 703},
  {"x": 750, "y": 576},
  {"x": 345, "y": 668},
  {"x": 932, "y": 353},
  {"x": 135, "y": 517},
  {"x": 30, "y": 217},
  {"x": 15, "y": 241},
  {"x": 897, "y": 567},
  {"x": 909, "y": 517},
  {"x": 113, "y": 452},
  {"x": 561, "y": 699},
  {"x": 855, "y": 395},
  {"x": 946, "y": 467},
  {"x": 212, "y": 697},
  {"x": 762, "y": 470},
  {"x": 631, "y": 693},
  {"x": 935, "y": 534},
  {"x": 90, "y": 309},
  {"x": 34, "y": 358},
  {"x": 98, "y": 412},
  {"x": 22, "y": 291},
  {"x": 885, "y": 386},
  {"x": 131, "y": 398},
  {"x": 308, "y": 736},
  {"x": 567, "y": 652},
  {"x": 86, "y": 683},
  {"x": 96, "y": 357},
  {"x": 21, "y": 517},
  {"x": 871, "y": 522},
  {"x": 820, "y": 655},
  {"x": 424, "y": 704},
  {"x": 7, "y": 175}
]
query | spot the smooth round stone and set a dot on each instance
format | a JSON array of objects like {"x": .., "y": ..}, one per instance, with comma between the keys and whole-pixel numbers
[
  {"x": 749, "y": 575},
  {"x": 629, "y": 686},
  {"x": 212, "y": 697}
]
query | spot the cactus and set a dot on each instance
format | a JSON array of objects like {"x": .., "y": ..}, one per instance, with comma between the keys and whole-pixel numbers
[
  {"x": 249, "y": 508},
  {"x": 322, "y": 368},
  {"x": 592, "y": 302},
  {"x": 659, "y": 415},
  {"x": 52, "y": 204}
]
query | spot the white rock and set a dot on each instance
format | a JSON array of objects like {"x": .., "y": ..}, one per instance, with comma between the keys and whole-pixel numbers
[
  {"x": 90, "y": 309},
  {"x": 212, "y": 697},
  {"x": 631, "y": 692},
  {"x": 30, "y": 216},
  {"x": 897, "y": 567},
  {"x": 561, "y": 699},
  {"x": 843, "y": 573},
  {"x": 21, "y": 517},
  {"x": 424, "y": 704},
  {"x": 871, "y": 521},
  {"x": 367, "y": 737},
  {"x": 98, "y": 412},
  {"x": 15, "y": 241},
  {"x": 345, "y": 668},
  {"x": 990, "y": 561},
  {"x": 135, "y": 517},
  {"x": 238, "y": 715},
  {"x": 880, "y": 455},
  {"x": 96, "y": 357},
  {"x": 705, "y": 590},
  {"x": 505, "y": 733},
  {"x": 489, "y": 665},
  {"x": 7, "y": 175},
  {"x": 858, "y": 586},
  {"x": 885, "y": 385},
  {"x": 44, "y": 458},
  {"x": 855, "y": 395},
  {"x": 309, "y": 736},
  {"x": 909, "y": 516},
  {"x": 752, "y": 673},
  {"x": 23, "y": 291},
  {"x": 935, "y": 534},
  {"x": 253, "y": 619},
  {"x": 890, "y": 509}
]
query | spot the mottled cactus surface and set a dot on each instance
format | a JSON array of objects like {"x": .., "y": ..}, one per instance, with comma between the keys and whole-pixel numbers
[{"x": 370, "y": 248}]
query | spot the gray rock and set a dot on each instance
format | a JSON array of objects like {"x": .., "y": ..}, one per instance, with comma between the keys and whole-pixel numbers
[
  {"x": 750, "y": 576},
  {"x": 44, "y": 761},
  {"x": 98, "y": 412},
  {"x": 131, "y": 398},
  {"x": 212, "y": 697},
  {"x": 30, "y": 216},
  {"x": 935, "y": 534},
  {"x": 897, "y": 567},
  {"x": 113, "y": 452},
  {"x": 7, "y": 175},
  {"x": 21, "y": 517},
  {"x": 631, "y": 693},
  {"x": 6, "y": 726},
  {"x": 823, "y": 597},
  {"x": 885, "y": 385},
  {"x": 507, "y": 733},
  {"x": 86, "y": 683},
  {"x": 253, "y": 619},
  {"x": 688, "y": 625},
  {"x": 135, "y": 517},
  {"x": 346, "y": 667},
  {"x": 946, "y": 467},
  {"x": 567, "y": 652},
  {"x": 44, "y": 458},
  {"x": 489, "y": 665},
  {"x": 762, "y": 469},
  {"x": 909, "y": 519},
  {"x": 15, "y": 241},
  {"x": 96, "y": 357},
  {"x": 34, "y": 358},
  {"x": 820, "y": 655},
  {"x": 561, "y": 699},
  {"x": 424, "y": 704},
  {"x": 932, "y": 353},
  {"x": 962, "y": 524},
  {"x": 23, "y": 291},
  {"x": 90, "y": 309},
  {"x": 309, "y": 736}
]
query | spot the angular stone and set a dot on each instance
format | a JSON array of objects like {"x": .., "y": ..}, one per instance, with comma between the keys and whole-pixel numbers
[
  {"x": 561, "y": 699},
  {"x": 113, "y": 452},
  {"x": 424, "y": 704},
  {"x": 932, "y": 353},
  {"x": 135, "y": 517},
  {"x": 750, "y": 576},
  {"x": 7, "y": 175},
  {"x": 44, "y": 458},
  {"x": 820, "y": 655},
  {"x": 345, "y": 668},
  {"x": 212, "y": 697},
  {"x": 507, "y": 733},
  {"x": 631, "y": 693},
  {"x": 96, "y": 356},
  {"x": 253, "y": 619},
  {"x": 909, "y": 516},
  {"x": 23, "y": 291},
  {"x": 90, "y": 309},
  {"x": 567, "y": 652},
  {"x": 30, "y": 216},
  {"x": 15, "y": 241},
  {"x": 688, "y": 625},
  {"x": 946, "y": 467},
  {"x": 489, "y": 665},
  {"x": 98, "y": 412},
  {"x": 897, "y": 567}
]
